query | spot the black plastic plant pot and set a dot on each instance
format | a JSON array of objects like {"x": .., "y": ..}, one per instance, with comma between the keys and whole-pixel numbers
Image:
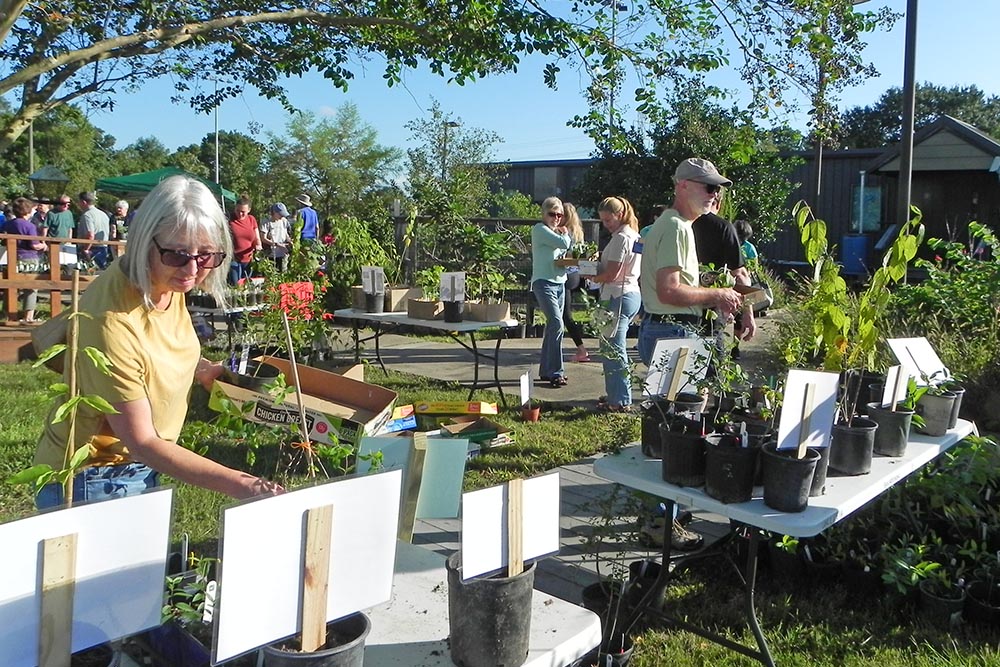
[
  {"x": 653, "y": 412},
  {"x": 982, "y": 604},
  {"x": 959, "y": 392},
  {"x": 818, "y": 486},
  {"x": 893, "y": 429},
  {"x": 940, "y": 610},
  {"x": 453, "y": 311},
  {"x": 936, "y": 411},
  {"x": 851, "y": 447},
  {"x": 256, "y": 377},
  {"x": 683, "y": 451},
  {"x": 688, "y": 403},
  {"x": 489, "y": 618},
  {"x": 729, "y": 468},
  {"x": 374, "y": 303},
  {"x": 787, "y": 478},
  {"x": 345, "y": 647}
]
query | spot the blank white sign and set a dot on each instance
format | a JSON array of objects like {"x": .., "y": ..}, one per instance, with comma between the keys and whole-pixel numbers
[
  {"x": 260, "y": 581},
  {"x": 484, "y": 524},
  {"x": 824, "y": 409},
  {"x": 918, "y": 359},
  {"x": 121, "y": 562}
]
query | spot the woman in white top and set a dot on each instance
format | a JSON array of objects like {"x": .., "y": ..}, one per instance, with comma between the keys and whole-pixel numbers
[
  {"x": 619, "y": 280},
  {"x": 274, "y": 235}
]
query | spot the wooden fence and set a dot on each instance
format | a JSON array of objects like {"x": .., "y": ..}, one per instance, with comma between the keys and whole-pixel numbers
[{"x": 52, "y": 272}]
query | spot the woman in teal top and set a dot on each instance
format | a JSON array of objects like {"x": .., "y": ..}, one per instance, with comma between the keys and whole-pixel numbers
[{"x": 549, "y": 241}]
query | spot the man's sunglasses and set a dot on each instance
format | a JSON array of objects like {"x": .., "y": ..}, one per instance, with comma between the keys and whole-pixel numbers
[
  {"x": 711, "y": 188},
  {"x": 178, "y": 258}
]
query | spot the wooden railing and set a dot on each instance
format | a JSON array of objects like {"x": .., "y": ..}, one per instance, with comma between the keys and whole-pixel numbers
[{"x": 52, "y": 277}]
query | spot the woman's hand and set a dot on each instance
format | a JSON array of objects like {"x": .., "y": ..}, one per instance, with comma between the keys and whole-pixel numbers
[{"x": 207, "y": 372}]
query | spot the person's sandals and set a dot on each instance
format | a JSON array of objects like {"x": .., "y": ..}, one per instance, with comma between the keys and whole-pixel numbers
[
  {"x": 682, "y": 539},
  {"x": 558, "y": 381},
  {"x": 581, "y": 358}
]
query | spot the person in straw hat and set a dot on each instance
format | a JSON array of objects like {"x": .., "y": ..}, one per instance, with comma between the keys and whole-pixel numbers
[{"x": 308, "y": 218}]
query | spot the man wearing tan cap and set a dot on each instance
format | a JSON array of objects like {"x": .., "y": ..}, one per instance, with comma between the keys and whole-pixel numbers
[
  {"x": 673, "y": 301},
  {"x": 672, "y": 298}
]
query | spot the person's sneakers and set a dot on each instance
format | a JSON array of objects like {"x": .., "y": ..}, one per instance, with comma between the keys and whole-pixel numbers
[{"x": 682, "y": 539}]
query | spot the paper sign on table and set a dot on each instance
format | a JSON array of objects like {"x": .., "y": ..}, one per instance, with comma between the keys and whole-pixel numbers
[
  {"x": 525, "y": 381},
  {"x": 373, "y": 279},
  {"x": 919, "y": 359},
  {"x": 821, "y": 413},
  {"x": 261, "y": 577},
  {"x": 121, "y": 555},
  {"x": 484, "y": 524},
  {"x": 453, "y": 286},
  {"x": 665, "y": 357},
  {"x": 894, "y": 389},
  {"x": 441, "y": 480}
]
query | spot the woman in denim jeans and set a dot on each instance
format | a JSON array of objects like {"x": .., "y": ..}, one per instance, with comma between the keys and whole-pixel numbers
[
  {"x": 549, "y": 241},
  {"x": 137, "y": 316},
  {"x": 619, "y": 281}
]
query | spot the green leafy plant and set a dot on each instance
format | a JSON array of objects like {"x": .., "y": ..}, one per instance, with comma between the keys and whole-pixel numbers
[
  {"x": 906, "y": 565},
  {"x": 846, "y": 330},
  {"x": 788, "y": 544},
  {"x": 187, "y": 594},
  {"x": 68, "y": 393}
]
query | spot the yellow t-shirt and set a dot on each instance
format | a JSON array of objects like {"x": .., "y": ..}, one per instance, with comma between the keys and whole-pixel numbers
[
  {"x": 669, "y": 243},
  {"x": 153, "y": 357}
]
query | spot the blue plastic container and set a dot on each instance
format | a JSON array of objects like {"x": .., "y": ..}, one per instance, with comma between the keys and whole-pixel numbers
[{"x": 855, "y": 253}]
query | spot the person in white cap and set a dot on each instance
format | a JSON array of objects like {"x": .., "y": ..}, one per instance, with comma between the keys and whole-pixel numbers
[
  {"x": 275, "y": 236},
  {"x": 673, "y": 300},
  {"x": 308, "y": 218}
]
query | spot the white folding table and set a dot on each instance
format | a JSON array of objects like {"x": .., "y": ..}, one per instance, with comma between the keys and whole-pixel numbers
[
  {"x": 411, "y": 630},
  {"x": 843, "y": 496}
]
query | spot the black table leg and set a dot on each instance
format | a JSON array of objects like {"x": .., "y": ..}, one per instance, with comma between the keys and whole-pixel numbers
[{"x": 656, "y": 592}]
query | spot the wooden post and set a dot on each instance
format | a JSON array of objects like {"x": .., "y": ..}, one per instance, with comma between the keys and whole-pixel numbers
[
  {"x": 807, "y": 410},
  {"x": 678, "y": 372},
  {"x": 901, "y": 377},
  {"x": 316, "y": 576},
  {"x": 411, "y": 486},
  {"x": 515, "y": 527},
  {"x": 58, "y": 586},
  {"x": 303, "y": 432}
]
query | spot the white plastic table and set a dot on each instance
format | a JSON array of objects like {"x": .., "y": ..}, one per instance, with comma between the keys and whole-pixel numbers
[
  {"x": 382, "y": 323},
  {"x": 843, "y": 496},
  {"x": 411, "y": 630}
]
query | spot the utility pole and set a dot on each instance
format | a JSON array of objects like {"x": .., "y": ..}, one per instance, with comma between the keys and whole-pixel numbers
[{"x": 446, "y": 126}]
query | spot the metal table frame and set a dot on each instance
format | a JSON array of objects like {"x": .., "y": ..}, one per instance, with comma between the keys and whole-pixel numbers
[
  {"x": 382, "y": 323},
  {"x": 843, "y": 496}
]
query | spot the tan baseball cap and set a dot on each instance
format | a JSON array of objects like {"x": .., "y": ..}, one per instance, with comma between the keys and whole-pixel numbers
[{"x": 701, "y": 171}]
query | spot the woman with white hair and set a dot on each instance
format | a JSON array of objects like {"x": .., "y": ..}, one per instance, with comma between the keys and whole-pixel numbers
[
  {"x": 137, "y": 316},
  {"x": 549, "y": 241}
]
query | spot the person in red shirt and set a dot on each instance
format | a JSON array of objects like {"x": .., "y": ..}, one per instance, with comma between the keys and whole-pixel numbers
[{"x": 246, "y": 240}]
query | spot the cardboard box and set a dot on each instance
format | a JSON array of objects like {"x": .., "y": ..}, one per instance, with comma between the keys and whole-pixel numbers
[
  {"x": 456, "y": 408},
  {"x": 487, "y": 312},
  {"x": 751, "y": 295},
  {"x": 396, "y": 298},
  {"x": 421, "y": 309},
  {"x": 336, "y": 407},
  {"x": 587, "y": 267},
  {"x": 400, "y": 424},
  {"x": 476, "y": 429}
]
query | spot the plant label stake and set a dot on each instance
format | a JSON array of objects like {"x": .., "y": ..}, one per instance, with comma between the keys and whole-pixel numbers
[
  {"x": 298, "y": 392},
  {"x": 895, "y": 382},
  {"x": 677, "y": 371},
  {"x": 58, "y": 586},
  {"x": 515, "y": 527},
  {"x": 411, "y": 486},
  {"x": 316, "y": 578},
  {"x": 807, "y": 410},
  {"x": 525, "y": 382}
]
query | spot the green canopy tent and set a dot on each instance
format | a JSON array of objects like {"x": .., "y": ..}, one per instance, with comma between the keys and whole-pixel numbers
[{"x": 136, "y": 185}]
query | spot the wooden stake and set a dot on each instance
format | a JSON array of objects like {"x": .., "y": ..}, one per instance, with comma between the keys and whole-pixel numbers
[
  {"x": 901, "y": 377},
  {"x": 515, "y": 527},
  {"x": 58, "y": 586},
  {"x": 411, "y": 486},
  {"x": 678, "y": 372},
  {"x": 807, "y": 410},
  {"x": 298, "y": 392},
  {"x": 316, "y": 576}
]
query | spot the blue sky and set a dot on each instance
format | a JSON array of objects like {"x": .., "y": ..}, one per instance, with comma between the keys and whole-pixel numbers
[{"x": 954, "y": 40}]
